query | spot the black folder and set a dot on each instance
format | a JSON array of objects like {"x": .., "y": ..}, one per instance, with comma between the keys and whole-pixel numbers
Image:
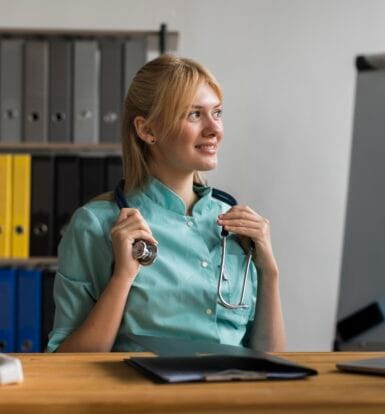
[
  {"x": 42, "y": 206},
  {"x": 192, "y": 361},
  {"x": 67, "y": 192},
  {"x": 92, "y": 176},
  {"x": 48, "y": 305},
  {"x": 114, "y": 172}
]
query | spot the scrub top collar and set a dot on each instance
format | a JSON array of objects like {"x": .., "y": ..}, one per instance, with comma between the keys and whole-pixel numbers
[{"x": 168, "y": 199}]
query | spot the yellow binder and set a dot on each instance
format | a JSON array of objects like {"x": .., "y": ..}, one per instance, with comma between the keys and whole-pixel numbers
[
  {"x": 5, "y": 204},
  {"x": 21, "y": 200}
]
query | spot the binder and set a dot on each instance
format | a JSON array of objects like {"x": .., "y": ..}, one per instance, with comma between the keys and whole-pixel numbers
[
  {"x": 36, "y": 91},
  {"x": 114, "y": 172},
  {"x": 11, "y": 86},
  {"x": 21, "y": 199},
  {"x": 209, "y": 368},
  {"x": 5, "y": 204},
  {"x": 66, "y": 192},
  {"x": 92, "y": 178},
  {"x": 198, "y": 360},
  {"x": 48, "y": 306},
  {"x": 42, "y": 206},
  {"x": 60, "y": 90},
  {"x": 7, "y": 310},
  {"x": 111, "y": 78},
  {"x": 135, "y": 50},
  {"x": 28, "y": 320},
  {"x": 86, "y": 92}
]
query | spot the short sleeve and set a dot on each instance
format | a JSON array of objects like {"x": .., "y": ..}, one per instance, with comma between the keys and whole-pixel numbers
[{"x": 85, "y": 261}]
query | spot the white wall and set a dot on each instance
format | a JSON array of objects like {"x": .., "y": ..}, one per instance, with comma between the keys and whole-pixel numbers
[{"x": 288, "y": 75}]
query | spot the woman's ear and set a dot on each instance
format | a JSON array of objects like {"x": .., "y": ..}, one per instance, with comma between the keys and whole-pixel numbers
[{"x": 144, "y": 132}]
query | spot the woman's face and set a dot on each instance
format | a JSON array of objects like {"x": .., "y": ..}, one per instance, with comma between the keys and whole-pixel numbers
[{"x": 195, "y": 147}]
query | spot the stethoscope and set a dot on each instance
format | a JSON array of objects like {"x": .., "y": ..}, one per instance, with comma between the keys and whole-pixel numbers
[{"x": 146, "y": 253}]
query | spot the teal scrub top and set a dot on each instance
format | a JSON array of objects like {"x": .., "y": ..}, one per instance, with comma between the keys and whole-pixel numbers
[{"x": 176, "y": 296}]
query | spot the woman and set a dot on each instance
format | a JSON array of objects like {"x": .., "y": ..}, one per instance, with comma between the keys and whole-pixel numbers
[{"x": 172, "y": 129}]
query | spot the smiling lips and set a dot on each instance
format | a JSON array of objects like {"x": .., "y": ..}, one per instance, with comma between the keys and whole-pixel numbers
[{"x": 206, "y": 148}]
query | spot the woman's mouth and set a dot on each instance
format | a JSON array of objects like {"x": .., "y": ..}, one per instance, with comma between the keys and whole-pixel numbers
[{"x": 207, "y": 148}]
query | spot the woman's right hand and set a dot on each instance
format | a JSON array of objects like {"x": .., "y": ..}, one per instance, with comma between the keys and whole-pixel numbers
[{"x": 129, "y": 226}]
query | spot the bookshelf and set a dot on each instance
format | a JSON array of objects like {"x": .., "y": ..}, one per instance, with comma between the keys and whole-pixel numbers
[
  {"x": 58, "y": 113},
  {"x": 44, "y": 261},
  {"x": 48, "y": 144},
  {"x": 46, "y": 147}
]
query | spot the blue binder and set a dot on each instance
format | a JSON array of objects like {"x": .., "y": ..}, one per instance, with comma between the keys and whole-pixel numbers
[
  {"x": 7, "y": 309},
  {"x": 29, "y": 303}
]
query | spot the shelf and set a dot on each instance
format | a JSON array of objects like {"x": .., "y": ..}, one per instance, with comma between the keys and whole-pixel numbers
[
  {"x": 48, "y": 147},
  {"x": 36, "y": 31},
  {"x": 29, "y": 262}
]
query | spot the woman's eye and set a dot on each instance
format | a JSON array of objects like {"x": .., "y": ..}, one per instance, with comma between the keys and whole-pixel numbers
[
  {"x": 218, "y": 113},
  {"x": 192, "y": 116}
]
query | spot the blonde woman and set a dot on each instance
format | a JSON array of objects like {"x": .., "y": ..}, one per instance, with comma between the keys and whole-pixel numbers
[{"x": 172, "y": 130}]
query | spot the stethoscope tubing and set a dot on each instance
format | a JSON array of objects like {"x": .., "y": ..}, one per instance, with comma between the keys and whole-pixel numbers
[{"x": 121, "y": 201}]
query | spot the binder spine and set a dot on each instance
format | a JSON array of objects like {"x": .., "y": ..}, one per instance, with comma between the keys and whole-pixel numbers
[
  {"x": 29, "y": 305},
  {"x": 11, "y": 86},
  {"x": 66, "y": 192},
  {"x": 36, "y": 91},
  {"x": 135, "y": 52},
  {"x": 92, "y": 176},
  {"x": 60, "y": 90},
  {"x": 110, "y": 90},
  {"x": 7, "y": 310},
  {"x": 86, "y": 92},
  {"x": 42, "y": 206},
  {"x": 48, "y": 306},
  {"x": 21, "y": 200},
  {"x": 114, "y": 172},
  {"x": 5, "y": 204}
]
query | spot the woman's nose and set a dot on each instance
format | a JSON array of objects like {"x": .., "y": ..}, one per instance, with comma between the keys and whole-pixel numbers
[{"x": 212, "y": 127}]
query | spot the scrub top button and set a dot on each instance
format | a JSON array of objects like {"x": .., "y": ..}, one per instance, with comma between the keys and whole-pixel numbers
[
  {"x": 204, "y": 263},
  {"x": 209, "y": 311},
  {"x": 190, "y": 223}
]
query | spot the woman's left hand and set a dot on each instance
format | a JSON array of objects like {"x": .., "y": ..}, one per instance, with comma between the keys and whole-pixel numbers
[{"x": 245, "y": 222}]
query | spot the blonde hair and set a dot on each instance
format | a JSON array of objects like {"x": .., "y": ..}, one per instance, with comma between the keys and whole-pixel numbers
[{"x": 162, "y": 92}]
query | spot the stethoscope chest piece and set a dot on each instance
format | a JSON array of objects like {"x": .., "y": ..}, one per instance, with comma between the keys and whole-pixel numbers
[{"x": 145, "y": 253}]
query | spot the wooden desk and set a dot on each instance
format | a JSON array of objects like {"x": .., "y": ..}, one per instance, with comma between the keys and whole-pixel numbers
[{"x": 102, "y": 383}]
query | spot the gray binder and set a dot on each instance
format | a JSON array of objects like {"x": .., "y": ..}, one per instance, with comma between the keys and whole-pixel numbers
[
  {"x": 11, "y": 84},
  {"x": 110, "y": 90},
  {"x": 135, "y": 52},
  {"x": 36, "y": 91},
  {"x": 86, "y": 92},
  {"x": 60, "y": 90}
]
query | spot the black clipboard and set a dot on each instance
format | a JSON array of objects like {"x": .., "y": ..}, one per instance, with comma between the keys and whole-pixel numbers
[{"x": 197, "y": 361}]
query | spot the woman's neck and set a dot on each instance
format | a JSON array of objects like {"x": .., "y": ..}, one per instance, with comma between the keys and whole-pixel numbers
[{"x": 181, "y": 184}]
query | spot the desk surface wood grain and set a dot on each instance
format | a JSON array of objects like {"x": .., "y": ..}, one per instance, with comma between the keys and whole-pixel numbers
[{"x": 102, "y": 383}]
